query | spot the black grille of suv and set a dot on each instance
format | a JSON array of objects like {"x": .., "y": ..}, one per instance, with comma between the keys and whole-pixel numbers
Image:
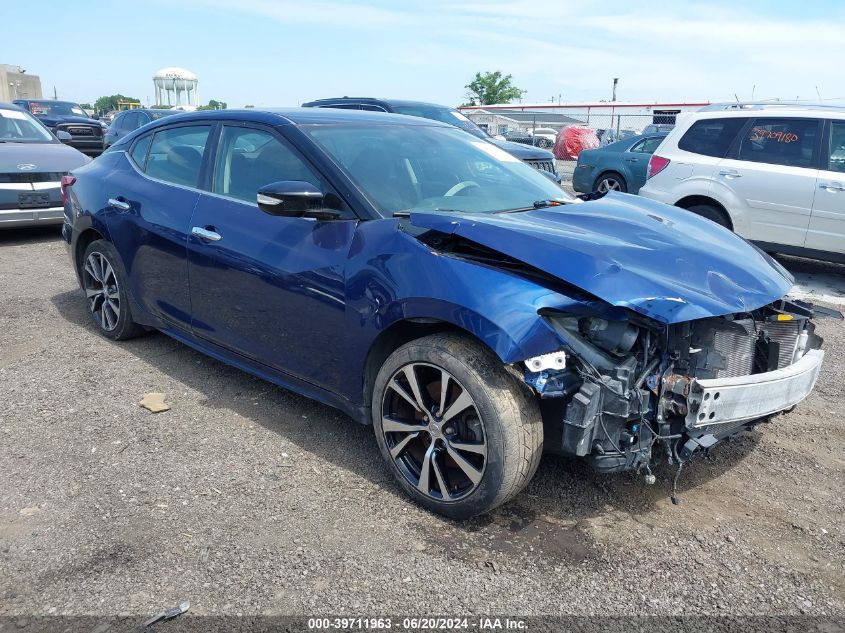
[
  {"x": 543, "y": 165},
  {"x": 81, "y": 130}
]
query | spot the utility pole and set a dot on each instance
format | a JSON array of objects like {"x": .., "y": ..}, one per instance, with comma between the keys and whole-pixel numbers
[{"x": 615, "y": 82}]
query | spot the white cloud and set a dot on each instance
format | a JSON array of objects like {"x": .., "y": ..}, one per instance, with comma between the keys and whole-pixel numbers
[{"x": 660, "y": 50}]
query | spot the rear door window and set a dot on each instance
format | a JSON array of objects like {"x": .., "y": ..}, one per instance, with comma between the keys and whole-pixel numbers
[
  {"x": 711, "y": 137},
  {"x": 139, "y": 152},
  {"x": 118, "y": 122},
  {"x": 131, "y": 121},
  {"x": 176, "y": 154},
  {"x": 836, "y": 155},
  {"x": 647, "y": 145},
  {"x": 781, "y": 142}
]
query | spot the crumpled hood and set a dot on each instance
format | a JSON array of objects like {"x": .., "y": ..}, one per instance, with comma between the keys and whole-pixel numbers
[
  {"x": 661, "y": 261},
  {"x": 49, "y": 157}
]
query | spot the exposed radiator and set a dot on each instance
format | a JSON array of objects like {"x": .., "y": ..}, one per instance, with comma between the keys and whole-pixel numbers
[
  {"x": 785, "y": 333},
  {"x": 737, "y": 348}
]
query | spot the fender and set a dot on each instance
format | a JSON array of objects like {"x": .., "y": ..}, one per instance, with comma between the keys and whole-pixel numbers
[{"x": 734, "y": 206}]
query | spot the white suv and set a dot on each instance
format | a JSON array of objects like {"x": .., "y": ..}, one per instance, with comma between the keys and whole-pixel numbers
[{"x": 773, "y": 173}]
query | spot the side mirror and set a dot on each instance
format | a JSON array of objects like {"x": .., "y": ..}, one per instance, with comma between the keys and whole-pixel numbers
[
  {"x": 63, "y": 136},
  {"x": 293, "y": 199}
]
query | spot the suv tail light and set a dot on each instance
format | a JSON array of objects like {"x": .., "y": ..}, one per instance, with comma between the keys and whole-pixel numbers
[
  {"x": 656, "y": 164},
  {"x": 67, "y": 181}
]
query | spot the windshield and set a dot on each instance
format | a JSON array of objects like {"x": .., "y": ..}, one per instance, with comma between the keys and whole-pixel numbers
[
  {"x": 21, "y": 127},
  {"x": 56, "y": 108},
  {"x": 442, "y": 114},
  {"x": 413, "y": 167}
]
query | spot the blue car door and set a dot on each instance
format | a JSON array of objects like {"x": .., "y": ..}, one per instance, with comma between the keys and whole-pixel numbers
[
  {"x": 152, "y": 194},
  {"x": 268, "y": 287},
  {"x": 636, "y": 159}
]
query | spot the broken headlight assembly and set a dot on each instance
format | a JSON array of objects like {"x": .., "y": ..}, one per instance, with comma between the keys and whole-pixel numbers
[{"x": 593, "y": 405}]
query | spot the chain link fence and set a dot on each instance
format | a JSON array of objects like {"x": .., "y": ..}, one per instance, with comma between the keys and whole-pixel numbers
[{"x": 567, "y": 134}]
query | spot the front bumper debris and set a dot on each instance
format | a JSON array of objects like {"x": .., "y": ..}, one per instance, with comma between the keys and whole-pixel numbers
[{"x": 724, "y": 400}]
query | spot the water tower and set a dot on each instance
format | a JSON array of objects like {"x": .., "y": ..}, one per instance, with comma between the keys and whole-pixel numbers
[{"x": 176, "y": 87}]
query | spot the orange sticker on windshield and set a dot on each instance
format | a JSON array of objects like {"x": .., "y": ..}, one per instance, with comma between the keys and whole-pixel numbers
[{"x": 759, "y": 134}]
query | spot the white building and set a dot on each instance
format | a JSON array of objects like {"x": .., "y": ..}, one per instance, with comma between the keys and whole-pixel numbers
[
  {"x": 634, "y": 115},
  {"x": 16, "y": 83},
  {"x": 176, "y": 87}
]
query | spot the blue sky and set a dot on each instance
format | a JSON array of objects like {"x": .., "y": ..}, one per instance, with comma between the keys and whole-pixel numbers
[{"x": 284, "y": 52}]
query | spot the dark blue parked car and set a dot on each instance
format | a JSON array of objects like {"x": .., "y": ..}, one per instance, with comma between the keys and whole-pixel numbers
[
  {"x": 537, "y": 157},
  {"x": 619, "y": 166},
  {"x": 428, "y": 283}
]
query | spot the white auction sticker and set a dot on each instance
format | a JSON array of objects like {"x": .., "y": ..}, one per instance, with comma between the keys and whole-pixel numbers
[{"x": 12, "y": 114}]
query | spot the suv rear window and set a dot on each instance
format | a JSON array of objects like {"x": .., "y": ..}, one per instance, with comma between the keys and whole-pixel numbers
[
  {"x": 780, "y": 142},
  {"x": 711, "y": 137}
]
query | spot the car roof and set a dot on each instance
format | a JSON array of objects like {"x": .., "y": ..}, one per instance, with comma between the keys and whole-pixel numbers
[
  {"x": 47, "y": 101},
  {"x": 287, "y": 116},
  {"x": 148, "y": 110},
  {"x": 376, "y": 101},
  {"x": 786, "y": 111},
  {"x": 5, "y": 105},
  {"x": 303, "y": 116}
]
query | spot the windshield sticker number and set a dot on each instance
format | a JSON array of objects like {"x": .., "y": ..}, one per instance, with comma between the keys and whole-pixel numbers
[{"x": 760, "y": 134}]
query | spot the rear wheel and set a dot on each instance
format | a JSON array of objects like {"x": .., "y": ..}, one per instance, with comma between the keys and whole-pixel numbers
[
  {"x": 104, "y": 284},
  {"x": 610, "y": 181},
  {"x": 712, "y": 213},
  {"x": 544, "y": 143},
  {"x": 460, "y": 434}
]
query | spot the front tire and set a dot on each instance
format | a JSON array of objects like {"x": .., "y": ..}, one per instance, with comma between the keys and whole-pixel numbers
[
  {"x": 105, "y": 285},
  {"x": 711, "y": 213},
  {"x": 460, "y": 433}
]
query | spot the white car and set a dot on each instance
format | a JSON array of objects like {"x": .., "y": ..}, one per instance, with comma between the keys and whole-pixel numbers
[
  {"x": 544, "y": 137},
  {"x": 773, "y": 173}
]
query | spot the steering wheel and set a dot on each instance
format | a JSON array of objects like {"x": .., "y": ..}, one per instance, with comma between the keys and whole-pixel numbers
[{"x": 461, "y": 186}]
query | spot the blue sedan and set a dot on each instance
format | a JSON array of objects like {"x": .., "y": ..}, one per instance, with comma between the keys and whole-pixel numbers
[
  {"x": 433, "y": 286},
  {"x": 620, "y": 166}
]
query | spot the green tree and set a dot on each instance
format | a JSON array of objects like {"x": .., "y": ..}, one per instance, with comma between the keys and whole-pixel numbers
[
  {"x": 86, "y": 106},
  {"x": 214, "y": 105},
  {"x": 106, "y": 104},
  {"x": 492, "y": 87}
]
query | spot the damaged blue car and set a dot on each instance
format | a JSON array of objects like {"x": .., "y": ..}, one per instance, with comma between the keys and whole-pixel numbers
[{"x": 433, "y": 286}]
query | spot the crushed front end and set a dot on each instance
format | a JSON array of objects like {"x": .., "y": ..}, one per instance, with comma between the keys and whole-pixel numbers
[{"x": 622, "y": 393}]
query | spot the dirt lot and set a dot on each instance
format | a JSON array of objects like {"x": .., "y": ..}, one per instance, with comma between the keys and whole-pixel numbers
[{"x": 244, "y": 498}]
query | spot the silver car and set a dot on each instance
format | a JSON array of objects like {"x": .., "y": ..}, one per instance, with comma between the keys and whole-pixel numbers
[{"x": 32, "y": 164}]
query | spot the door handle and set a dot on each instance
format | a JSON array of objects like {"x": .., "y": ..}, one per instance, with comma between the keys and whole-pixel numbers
[
  {"x": 831, "y": 186},
  {"x": 119, "y": 203},
  {"x": 730, "y": 173},
  {"x": 206, "y": 234}
]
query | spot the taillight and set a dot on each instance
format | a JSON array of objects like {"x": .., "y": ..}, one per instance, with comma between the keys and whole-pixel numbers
[
  {"x": 656, "y": 164},
  {"x": 67, "y": 181}
]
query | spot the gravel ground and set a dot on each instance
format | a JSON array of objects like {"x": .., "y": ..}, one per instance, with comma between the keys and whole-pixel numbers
[{"x": 245, "y": 498}]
